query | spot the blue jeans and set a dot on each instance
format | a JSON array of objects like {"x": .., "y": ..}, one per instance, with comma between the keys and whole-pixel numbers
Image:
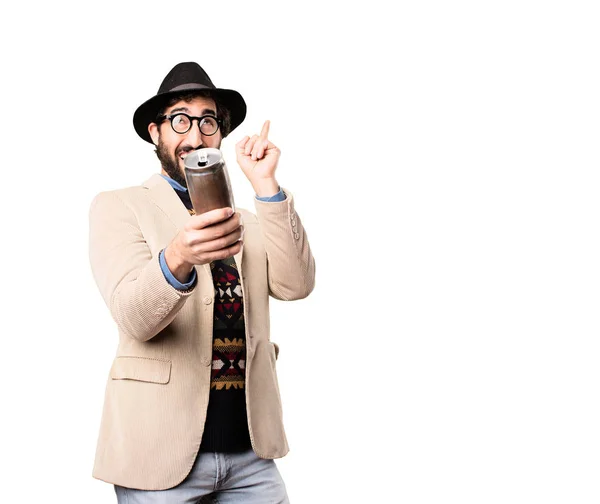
[{"x": 220, "y": 478}]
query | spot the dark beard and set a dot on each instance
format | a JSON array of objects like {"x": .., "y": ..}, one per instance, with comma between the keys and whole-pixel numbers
[{"x": 170, "y": 164}]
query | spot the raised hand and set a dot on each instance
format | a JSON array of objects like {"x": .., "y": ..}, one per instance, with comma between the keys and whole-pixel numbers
[{"x": 258, "y": 158}]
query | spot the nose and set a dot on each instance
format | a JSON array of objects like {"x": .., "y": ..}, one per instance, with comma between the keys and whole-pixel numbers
[{"x": 193, "y": 135}]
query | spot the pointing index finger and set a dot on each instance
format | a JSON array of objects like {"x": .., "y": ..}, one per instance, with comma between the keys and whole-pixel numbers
[{"x": 265, "y": 129}]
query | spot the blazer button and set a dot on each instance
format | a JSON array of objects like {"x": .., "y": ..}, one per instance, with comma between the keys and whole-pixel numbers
[
  {"x": 206, "y": 361},
  {"x": 297, "y": 236},
  {"x": 207, "y": 300}
]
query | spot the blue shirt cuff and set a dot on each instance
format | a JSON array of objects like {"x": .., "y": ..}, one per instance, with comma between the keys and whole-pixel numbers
[
  {"x": 171, "y": 279},
  {"x": 280, "y": 196}
]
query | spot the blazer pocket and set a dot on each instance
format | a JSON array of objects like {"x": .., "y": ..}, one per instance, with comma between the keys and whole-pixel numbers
[{"x": 141, "y": 369}]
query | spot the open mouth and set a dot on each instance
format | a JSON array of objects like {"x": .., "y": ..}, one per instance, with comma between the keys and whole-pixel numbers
[{"x": 183, "y": 155}]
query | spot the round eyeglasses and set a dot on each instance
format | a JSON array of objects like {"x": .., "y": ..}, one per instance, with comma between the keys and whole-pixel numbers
[{"x": 182, "y": 123}]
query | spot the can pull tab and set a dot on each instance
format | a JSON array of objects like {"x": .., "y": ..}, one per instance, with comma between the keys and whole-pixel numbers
[{"x": 202, "y": 159}]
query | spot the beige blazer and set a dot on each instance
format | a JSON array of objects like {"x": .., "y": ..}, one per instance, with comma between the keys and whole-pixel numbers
[{"x": 158, "y": 385}]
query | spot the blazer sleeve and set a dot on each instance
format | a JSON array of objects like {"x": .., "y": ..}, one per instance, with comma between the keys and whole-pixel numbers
[
  {"x": 290, "y": 263},
  {"x": 131, "y": 281}
]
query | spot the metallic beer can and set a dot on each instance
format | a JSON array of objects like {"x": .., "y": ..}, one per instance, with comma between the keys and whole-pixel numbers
[{"x": 207, "y": 180}]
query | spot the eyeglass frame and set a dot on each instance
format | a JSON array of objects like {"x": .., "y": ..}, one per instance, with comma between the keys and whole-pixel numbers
[{"x": 170, "y": 118}]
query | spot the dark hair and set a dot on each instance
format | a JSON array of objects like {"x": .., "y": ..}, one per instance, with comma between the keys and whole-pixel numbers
[{"x": 223, "y": 113}]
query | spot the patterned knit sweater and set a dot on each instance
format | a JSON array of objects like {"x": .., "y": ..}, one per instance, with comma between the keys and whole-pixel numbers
[{"x": 226, "y": 427}]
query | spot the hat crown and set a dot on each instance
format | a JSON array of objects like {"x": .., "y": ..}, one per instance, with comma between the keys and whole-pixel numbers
[{"x": 184, "y": 75}]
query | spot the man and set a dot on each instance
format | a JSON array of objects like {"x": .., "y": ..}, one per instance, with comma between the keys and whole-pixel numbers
[{"x": 192, "y": 405}]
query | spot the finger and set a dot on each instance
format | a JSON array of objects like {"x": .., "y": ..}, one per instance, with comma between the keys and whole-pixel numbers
[
  {"x": 219, "y": 255},
  {"x": 239, "y": 147},
  {"x": 265, "y": 130},
  {"x": 234, "y": 249},
  {"x": 260, "y": 148},
  {"x": 207, "y": 219},
  {"x": 220, "y": 229},
  {"x": 250, "y": 145},
  {"x": 212, "y": 238},
  {"x": 220, "y": 243},
  {"x": 196, "y": 239}
]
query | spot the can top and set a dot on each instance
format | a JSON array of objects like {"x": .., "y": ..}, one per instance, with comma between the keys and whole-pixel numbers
[{"x": 202, "y": 159}]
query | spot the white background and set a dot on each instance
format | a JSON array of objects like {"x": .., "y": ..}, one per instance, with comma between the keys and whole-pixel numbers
[{"x": 444, "y": 160}]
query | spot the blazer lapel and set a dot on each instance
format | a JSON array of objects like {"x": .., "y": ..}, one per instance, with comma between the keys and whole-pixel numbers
[{"x": 165, "y": 198}]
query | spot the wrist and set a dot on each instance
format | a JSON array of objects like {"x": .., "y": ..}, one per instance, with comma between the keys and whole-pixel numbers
[
  {"x": 177, "y": 265},
  {"x": 265, "y": 188}
]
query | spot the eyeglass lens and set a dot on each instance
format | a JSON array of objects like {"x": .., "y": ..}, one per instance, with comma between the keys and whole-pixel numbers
[{"x": 181, "y": 123}]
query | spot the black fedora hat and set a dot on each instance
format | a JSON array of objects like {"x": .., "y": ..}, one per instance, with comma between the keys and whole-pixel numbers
[{"x": 182, "y": 78}]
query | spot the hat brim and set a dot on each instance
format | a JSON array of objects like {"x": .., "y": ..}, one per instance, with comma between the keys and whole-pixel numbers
[{"x": 146, "y": 113}]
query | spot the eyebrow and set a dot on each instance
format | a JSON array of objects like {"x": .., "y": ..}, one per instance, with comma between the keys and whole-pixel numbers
[{"x": 187, "y": 110}]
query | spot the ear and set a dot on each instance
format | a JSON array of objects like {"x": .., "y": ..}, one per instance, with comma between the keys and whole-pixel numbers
[{"x": 153, "y": 130}]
